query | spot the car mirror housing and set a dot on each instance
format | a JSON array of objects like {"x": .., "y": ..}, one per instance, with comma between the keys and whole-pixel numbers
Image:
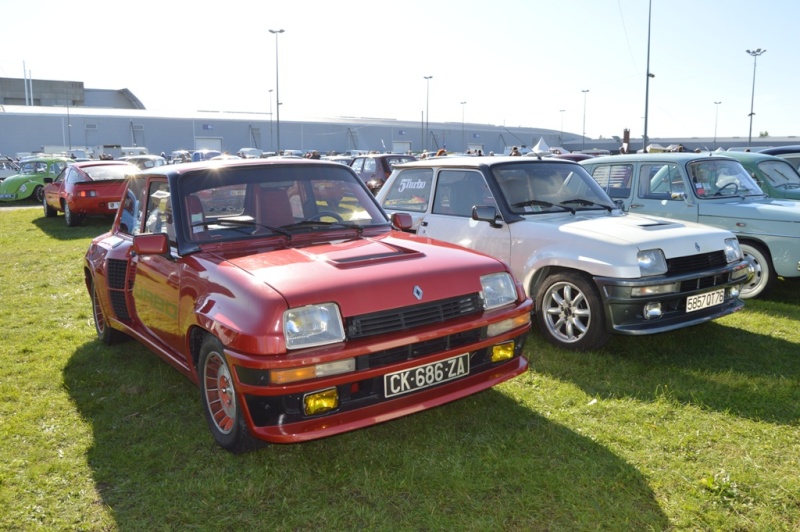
[
  {"x": 151, "y": 244},
  {"x": 402, "y": 221},
  {"x": 486, "y": 213}
]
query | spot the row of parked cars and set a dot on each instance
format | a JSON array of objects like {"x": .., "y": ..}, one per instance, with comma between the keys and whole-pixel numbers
[{"x": 303, "y": 304}]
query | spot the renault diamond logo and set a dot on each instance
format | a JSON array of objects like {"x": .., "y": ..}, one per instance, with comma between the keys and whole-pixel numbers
[
  {"x": 697, "y": 247},
  {"x": 418, "y": 293}
]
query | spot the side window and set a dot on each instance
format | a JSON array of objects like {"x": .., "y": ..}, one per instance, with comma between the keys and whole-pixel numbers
[
  {"x": 159, "y": 210},
  {"x": 410, "y": 191},
  {"x": 458, "y": 191},
  {"x": 660, "y": 181},
  {"x": 615, "y": 179},
  {"x": 369, "y": 165},
  {"x": 357, "y": 164},
  {"x": 130, "y": 215}
]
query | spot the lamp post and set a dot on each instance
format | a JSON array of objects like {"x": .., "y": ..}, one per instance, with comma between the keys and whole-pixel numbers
[
  {"x": 755, "y": 53},
  {"x": 647, "y": 82},
  {"x": 271, "y": 140},
  {"x": 561, "y": 131},
  {"x": 427, "y": 103},
  {"x": 716, "y": 119},
  {"x": 462, "y": 127},
  {"x": 277, "y": 95},
  {"x": 583, "y": 146}
]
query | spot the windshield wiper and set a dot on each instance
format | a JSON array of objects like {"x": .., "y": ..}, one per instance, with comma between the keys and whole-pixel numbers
[
  {"x": 243, "y": 223},
  {"x": 539, "y": 203},
  {"x": 358, "y": 228},
  {"x": 588, "y": 203}
]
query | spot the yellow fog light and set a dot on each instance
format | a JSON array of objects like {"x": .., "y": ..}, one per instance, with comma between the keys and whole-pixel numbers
[
  {"x": 503, "y": 352},
  {"x": 319, "y": 402}
]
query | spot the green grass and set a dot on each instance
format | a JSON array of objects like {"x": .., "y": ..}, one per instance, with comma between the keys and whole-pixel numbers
[{"x": 693, "y": 430}]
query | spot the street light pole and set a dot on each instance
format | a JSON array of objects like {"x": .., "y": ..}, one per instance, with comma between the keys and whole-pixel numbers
[
  {"x": 583, "y": 146},
  {"x": 647, "y": 82},
  {"x": 427, "y": 103},
  {"x": 464, "y": 144},
  {"x": 271, "y": 139},
  {"x": 755, "y": 53},
  {"x": 277, "y": 94},
  {"x": 716, "y": 119},
  {"x": 561, "y": 131}
]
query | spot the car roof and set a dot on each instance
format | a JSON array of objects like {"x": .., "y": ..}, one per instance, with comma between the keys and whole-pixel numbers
[
  {"x": 752, "y": 157},
  {"x": 780, "y": 150},
  {"x": 177, "y": 169},
  {"x": 676, "y": 157},
  {"x": 98, "y": 162},
  {"x": 471, "y": 161}
]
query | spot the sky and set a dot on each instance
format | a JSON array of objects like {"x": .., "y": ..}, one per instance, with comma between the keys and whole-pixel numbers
[{"x": 520, "y": 63}]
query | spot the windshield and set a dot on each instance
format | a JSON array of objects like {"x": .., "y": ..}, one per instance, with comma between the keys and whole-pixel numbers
[
  {"x": 542, "y": 187},
  {"x": 240, "y": 202},
  {"x": 721, "y": 178},
  {"x": 109, "y": 172},
  {"x": 780, "y": 174}
]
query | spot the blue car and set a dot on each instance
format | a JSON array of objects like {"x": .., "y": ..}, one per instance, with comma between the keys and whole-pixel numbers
[{"x": 714, "y": 190}]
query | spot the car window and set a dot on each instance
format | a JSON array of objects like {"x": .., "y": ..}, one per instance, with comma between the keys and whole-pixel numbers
[
  {"x": 458, "y": 191},
  {"x": 721, "y": 178},
  {"x": 369, "y": 165},
  {"x": 159, "y": 211},
  {"x": 615, "y": 179},
  {"x": 660, "y": 181},
  {"x": 780, "y": 174},
  {"x": 357, "y": 164},
  {"x": 129, "y": 215},
  {"x": 410, "y": 191}
]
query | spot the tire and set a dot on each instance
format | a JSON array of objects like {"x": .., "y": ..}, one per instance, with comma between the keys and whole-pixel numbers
[
  {"x": 763, "y": 274},
  {"x": 38, "y": 193},
  {"x": 570, "y": 313},
  {"x": 49, "y": 212},
  {"x": 72, "y": 219},
  {"x": 221, "y": 404},
  {"x": 105, "y": 333}
]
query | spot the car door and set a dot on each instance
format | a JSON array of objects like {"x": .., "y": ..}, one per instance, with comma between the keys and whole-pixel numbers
[
  {"x": 54, "y": 192},
  {"x": 661, "y": 189},
  {"x": 450, "y": 215},
  {"x": 156, "y": 284}
]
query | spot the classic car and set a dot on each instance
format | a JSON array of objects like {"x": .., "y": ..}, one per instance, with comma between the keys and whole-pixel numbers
[
  {"x": 7, "y": 167},
  {"x": 790, "y": 153},
  {"x": 715, "y": 190},
  {"x": 776, "y": 176},
  {"x": 591, "y": 269},
  {"x": 29, "y": 182},
  {"x": 375, "y": 168},
  {"x": 86, "y": 188},
  {"x": 281, "y": 289}
]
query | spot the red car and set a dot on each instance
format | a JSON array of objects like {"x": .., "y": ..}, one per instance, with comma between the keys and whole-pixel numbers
[
  {"x": 86, "y": 188},
  {"x": 281, "y": 289}
]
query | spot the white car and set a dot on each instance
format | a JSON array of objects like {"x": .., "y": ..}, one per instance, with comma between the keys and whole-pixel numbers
[{"x": 591, "y": 269}]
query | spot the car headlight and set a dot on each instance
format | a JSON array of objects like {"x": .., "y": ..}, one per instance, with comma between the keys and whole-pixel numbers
[
  {"x": 312, "y": 326},
  {"x": 498, "y": 290},
  {"x": 652, "y": 262},
  {"x": 732, "y": 250}
]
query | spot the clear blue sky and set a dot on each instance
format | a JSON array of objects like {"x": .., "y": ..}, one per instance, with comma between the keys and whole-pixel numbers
[{"x": 515, "y": 63}]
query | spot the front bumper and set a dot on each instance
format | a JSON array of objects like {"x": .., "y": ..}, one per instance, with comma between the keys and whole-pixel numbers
[{"x": 627, "y": 313}]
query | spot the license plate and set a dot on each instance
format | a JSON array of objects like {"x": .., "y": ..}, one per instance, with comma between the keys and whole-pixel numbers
[
  {"x": 113, "y": 205},
  {"x": 701, "y": 301},
  {"x": 411, "y": 380}
]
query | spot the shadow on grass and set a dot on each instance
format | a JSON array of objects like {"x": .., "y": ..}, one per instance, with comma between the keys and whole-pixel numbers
[
  {"x": 484, "y": 462},
  {"x": 57, "y": 228},
  {"x": 717, "y": 366}
]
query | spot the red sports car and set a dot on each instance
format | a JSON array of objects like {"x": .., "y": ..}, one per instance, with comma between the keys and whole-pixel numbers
[
  {"x": 86, "y": 188},
  {"x": 281, "y": 289}
]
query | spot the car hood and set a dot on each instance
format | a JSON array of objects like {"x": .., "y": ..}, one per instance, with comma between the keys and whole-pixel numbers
[
  {"x": 675, "y": 237},
  {"x": 780, "y": 210},
  {"x": 354, "y": 273}
]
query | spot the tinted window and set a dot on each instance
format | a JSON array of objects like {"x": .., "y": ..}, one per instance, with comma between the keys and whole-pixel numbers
[{"x": 411, "y": 191}]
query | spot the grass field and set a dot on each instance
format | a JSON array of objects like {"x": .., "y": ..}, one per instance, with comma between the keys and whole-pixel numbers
[{"x": 692, "y": 430}]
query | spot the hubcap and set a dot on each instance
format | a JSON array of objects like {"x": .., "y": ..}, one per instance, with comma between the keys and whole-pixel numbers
[
  {"x": 567, "y": 312},
  {"x": 220, "y": 395}
]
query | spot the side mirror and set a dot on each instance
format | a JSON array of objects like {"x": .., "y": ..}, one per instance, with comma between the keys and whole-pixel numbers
[
  {"x": 48, "y": 180},
  {"x": 619, "y": 204},
  {"x": 151, "y": 244},
  {"x": 402, "y": 221},
  {"x": 486, "y": 213}
]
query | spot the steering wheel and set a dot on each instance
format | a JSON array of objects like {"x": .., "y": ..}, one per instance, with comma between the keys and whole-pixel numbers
[
  {"x": 322, "y": 214},
  {"x": 726, "y": 185}
]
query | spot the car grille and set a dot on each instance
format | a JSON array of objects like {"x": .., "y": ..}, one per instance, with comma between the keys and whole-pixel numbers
[
  {"x": 117, "y": 271},
  {"x": 409, "y": 317},
  {"x": 418, "y": 349},
  {"x": 699, "y": 262}
]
